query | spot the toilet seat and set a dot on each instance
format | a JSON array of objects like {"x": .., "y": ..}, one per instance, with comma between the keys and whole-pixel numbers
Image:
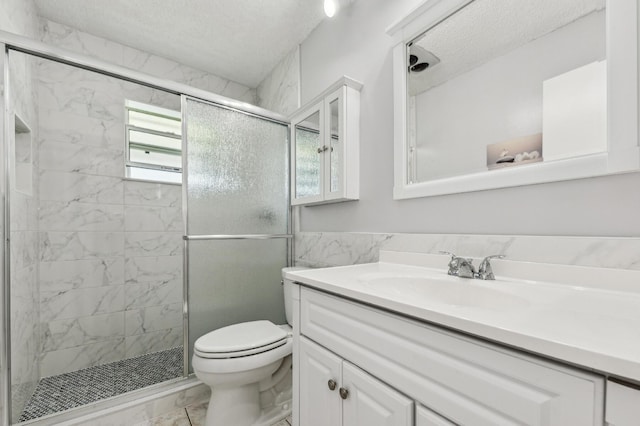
[{"x": 240, "y": 340}]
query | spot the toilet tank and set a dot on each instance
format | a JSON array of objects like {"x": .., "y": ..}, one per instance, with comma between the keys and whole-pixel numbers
[{"x": 288, "y": 292}]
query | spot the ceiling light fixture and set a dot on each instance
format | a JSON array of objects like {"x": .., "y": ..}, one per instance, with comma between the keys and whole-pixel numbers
[{"x": 330, "y": 7}]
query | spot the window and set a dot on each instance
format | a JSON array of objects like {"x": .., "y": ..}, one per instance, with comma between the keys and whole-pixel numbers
[{"x": 154, "y": 142}]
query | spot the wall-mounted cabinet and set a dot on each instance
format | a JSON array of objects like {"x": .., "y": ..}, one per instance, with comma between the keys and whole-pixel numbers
[{"x": 325, "y": 146}]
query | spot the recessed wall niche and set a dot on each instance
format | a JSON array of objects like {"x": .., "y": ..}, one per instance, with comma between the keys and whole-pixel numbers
[{"x": 23, "y": 157}]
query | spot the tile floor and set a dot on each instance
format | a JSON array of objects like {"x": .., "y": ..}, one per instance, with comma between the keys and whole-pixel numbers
[
  {"x": 192, "y": 415},
  {"x": 70, "y": 390}
]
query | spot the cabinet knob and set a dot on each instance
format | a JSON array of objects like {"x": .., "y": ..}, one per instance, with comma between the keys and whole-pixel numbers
[
  {"x": 332, "y": 384},
  {"x": 322, "y": 149},
  {"x": 344, "y": 393}
]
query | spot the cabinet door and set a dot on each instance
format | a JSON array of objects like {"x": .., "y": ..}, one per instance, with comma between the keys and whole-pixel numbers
[
  {"x": 370, "y": 402},
  {"x": 426, "y": 417},
  {"x": 623, "y": 405},
  {"x": 307, "y": 155},
  {"x": 319, "y": 405},
  {"x": 342, "y": 137},
  {"x": 334, "y": 134}
]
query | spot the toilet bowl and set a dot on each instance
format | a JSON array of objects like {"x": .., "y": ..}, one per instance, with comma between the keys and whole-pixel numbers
[{"x": 248, "y": 367}]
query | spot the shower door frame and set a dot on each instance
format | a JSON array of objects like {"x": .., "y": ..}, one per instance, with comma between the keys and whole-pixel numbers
[{"x": 12, "y": 42}]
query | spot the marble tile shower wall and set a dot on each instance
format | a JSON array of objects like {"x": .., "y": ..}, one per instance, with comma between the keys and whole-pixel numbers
[
  {"x": 323, "y": 249},
  {"x": 20, "y": 17},
  {"x": 24, "y": 238},
  {"x": 69, "y": 38},
  {"x": 109, "y": 248},
  {"x": 279, "y": 91}
]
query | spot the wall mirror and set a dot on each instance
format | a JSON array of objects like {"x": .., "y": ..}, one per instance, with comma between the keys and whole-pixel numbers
[{"x": 497, "y": 93}]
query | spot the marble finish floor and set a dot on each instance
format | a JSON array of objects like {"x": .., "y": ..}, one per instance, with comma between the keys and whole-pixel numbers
[
  {"x": 192, "y": 415},
  {"x": 65, "y": 391}
]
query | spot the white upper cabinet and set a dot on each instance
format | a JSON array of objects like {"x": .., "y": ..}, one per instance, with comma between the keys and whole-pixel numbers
[{"x": 325, "y": 147}]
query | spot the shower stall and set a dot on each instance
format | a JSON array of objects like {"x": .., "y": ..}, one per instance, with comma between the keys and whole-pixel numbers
[{"x": 108, "y": 280}]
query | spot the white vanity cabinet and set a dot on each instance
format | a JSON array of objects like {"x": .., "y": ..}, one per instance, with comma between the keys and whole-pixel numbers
[
  {"x": 339, "y": 393},
  {"x": 325, "y": 146},
  {"x": 450, "y": 378}
]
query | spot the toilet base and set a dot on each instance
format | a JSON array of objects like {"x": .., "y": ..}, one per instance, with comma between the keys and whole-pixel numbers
[
  {"x": 245, "y": 407},
  {"x": 241, "y": 406}
]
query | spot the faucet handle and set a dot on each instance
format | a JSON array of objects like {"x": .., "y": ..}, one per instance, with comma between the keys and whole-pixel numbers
[
  {"x": 485, "y": 272},
  {"x": 453, "y": 263},
  {"x": 494, "y": 256}
]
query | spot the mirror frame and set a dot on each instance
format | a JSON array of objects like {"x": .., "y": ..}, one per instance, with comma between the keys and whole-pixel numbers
[{"x": 623, "y": 154}]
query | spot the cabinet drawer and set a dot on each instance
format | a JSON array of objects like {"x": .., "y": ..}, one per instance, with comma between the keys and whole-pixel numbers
[{"x": 465, "y": 380}]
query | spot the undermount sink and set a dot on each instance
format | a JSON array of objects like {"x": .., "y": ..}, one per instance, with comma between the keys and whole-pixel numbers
[{"x": 447, "y": 290}]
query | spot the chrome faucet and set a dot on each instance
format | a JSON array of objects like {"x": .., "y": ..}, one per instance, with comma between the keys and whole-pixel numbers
[
  {"x": 460, "y": 266},
  {"x": 463, "y": 267},
  {"x": 484, "y": 270}
]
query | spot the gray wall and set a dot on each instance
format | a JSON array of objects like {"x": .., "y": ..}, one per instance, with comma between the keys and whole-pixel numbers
[{"x": 355, "y": 43}]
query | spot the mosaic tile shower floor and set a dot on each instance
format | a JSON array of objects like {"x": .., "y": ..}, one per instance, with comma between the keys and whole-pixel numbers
[{"x": 70, "y": 390}]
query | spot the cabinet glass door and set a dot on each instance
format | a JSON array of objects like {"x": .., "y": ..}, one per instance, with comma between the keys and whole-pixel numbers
[
  {"x": 308, "y": 156},
  {"x": 335, "y": 141}
]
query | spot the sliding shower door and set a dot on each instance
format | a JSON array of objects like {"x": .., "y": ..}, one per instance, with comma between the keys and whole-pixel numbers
[{"x": 235, "y": 188}]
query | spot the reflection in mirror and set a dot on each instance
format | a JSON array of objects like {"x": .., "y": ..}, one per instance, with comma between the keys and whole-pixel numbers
[
  {"x": 503, "y": 84},
  {"x": 307, "y": 161},
  {"x": 334, "y": 142}
]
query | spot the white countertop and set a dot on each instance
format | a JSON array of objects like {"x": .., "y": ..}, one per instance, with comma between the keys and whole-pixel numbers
[{"x": 589, "y": 317}]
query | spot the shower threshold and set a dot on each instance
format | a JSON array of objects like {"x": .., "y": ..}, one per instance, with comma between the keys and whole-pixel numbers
[{"x": 70, "y": 390}]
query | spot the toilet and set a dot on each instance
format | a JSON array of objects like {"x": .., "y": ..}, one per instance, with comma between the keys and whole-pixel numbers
[{"x": 248, "y": 367}]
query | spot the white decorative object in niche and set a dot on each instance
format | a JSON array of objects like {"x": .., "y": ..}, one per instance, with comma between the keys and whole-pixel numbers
[
  {"x": 475, "y": 74},
  {"x": 325, "y": 146}
]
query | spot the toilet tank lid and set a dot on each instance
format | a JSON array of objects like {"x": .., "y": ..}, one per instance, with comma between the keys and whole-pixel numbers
[{"x": 240, "y": 337}]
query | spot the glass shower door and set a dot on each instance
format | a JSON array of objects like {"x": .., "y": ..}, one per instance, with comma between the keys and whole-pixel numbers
[{"x": 235, "y": 188}]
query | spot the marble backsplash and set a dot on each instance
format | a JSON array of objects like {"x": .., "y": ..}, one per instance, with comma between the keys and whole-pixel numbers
[{"x": 323, "y": 249}]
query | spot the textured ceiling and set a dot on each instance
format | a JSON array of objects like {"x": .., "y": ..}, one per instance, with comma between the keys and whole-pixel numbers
[
  {"x": 487, "y": 29},
  {"x": 241, "y": 40}
]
